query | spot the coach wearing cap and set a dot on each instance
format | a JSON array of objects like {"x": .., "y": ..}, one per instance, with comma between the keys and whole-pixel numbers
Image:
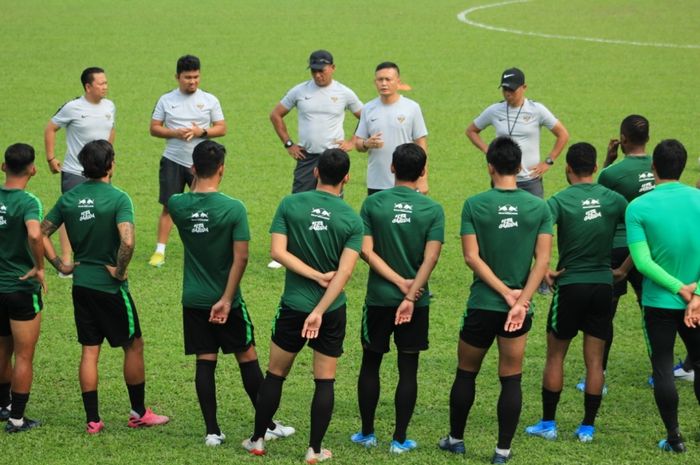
[
  {"x": 321, "y": 103},
  {"x": 521, "y": 119}
]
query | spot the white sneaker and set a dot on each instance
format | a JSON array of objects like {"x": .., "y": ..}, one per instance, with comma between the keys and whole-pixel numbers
[
  {"x": 273, "y": 265},
  {"x": 281, "y": 431},
  {"x": 254, "y": 447},
  {"x": 680, "y": 373},
  {"x": 214, "y": 439},
  {"x": 313, "y": 458}
]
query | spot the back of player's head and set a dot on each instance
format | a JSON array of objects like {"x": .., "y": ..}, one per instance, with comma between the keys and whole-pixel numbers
[
  {"x": 409, "y": 162},
  {"x": 18, "y": 157},
  {"x": 669, "y": 159},
  {"x": 388, "y": 65},
  {"x": 187, "y": 63},
  {"x": 88, "y": 75},
  {"x": 504, "y": 155},
  {"x": 97, "y": 158},
  {"x": 207, "y": 157},
  {"x": 635, "y": 128},
  {"x": 333, "y": 165},
  {"x": 581, "y": 158}
]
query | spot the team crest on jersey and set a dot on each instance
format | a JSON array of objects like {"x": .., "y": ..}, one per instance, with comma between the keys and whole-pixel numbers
[
  {"x": 108, "y": 116},
  {"x": 507, "y": 210},
  {"x": 334, "y": 99},
  {"x": 401, "y": 119},
  {"x": 200, "y": 106},
  {"x": 199, "y": 218},
  {"x": 402, "y": 213},
  {"x": 591, "y": 207},
  {"x": 86, "y": 203},
  {"x": 527, "y": 117},
  {"x": 3, "y": 212}
]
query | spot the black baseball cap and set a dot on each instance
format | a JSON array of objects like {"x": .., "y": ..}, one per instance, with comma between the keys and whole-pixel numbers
[
  {"x": 319, "y": 59},
  {"x": 512, "y": 78}
]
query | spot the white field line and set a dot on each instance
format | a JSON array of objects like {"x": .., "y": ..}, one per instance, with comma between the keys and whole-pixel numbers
[{"x": 464, "y": 17}]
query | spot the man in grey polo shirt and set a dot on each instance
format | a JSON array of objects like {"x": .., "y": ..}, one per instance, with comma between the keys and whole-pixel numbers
[
  {"x": 86, "y": 118},
  {"x": 520, "y": 119},
  {"x": 185, "y": 117},
  {"x": 321, "y": 103},
  {"x": 387, "y": 122}
]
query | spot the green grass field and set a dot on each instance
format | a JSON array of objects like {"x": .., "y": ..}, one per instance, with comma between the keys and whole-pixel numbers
[{"x": 252, "y": 53}]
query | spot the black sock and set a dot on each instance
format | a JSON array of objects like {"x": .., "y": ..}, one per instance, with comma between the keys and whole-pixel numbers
[
  {"x": 252, "y": 377},
  {"x": 591, "y": 404},
  {"x": 19, "y": 403},
  {"x": 461, "y": 401},
  {"x": 321, "y": 412},
  {"x": 550, "y": 400},
  {"x": 510, "y": 402},
  {"x": 137, "y": 394},
  {"x": 268, "y": 402},
  {"x": 205, "y": 384},
  {"x": 5, "y": 398},
  {"x": 368, "y": 387},
  {"x": 90, "y": 404},
  {"x": 406, "y": 393}
]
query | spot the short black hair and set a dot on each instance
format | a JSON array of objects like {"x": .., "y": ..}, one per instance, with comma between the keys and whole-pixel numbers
[
  {"x": 636, "y": 129},
  {"x": 388, "y": 65},
  {"x": 669, "y": 159},
  {"x": 581, "y": 157},
  {"x": 187, "y": 63},
  {"x": 96, "y": 157},
  {"x": 409, "y": 161},
  {"x": 207, "y": 157},
  {"x": 504, "y": 155},
  {"x": 88, "y": 75},
  {"x": 18, "y": 157},
  {"x": 333, "y": 165}
]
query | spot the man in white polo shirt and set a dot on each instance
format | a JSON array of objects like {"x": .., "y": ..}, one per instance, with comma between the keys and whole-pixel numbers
[
  {"x": 387, "y": 122},
  {"x": 86, "y": 118},
  {"x": 185, "y": 117}
]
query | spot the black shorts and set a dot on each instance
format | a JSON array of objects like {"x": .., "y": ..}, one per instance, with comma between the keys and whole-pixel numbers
[
  {"x": 378, "y": 324},
  {"x": 480, "y": 327},
  {"x": 618, "y": 256},
  {"x": 286, "y": 331},
  {"x": 100, "y": 315},
  {"x": 584, "y": 307},
  {"x": 18, "y": 306},
  {"x": 304, "y": 179},
  {"x": 202, "y": 337},
  {"x": 70, "y": 180},
  {"x": 172, "y": 178}
]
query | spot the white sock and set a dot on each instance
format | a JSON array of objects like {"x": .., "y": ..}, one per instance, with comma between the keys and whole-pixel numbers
[
  {"x": 16, "y": 422},
  {"x": 453, "y": 440},
  {"x": 160, "y": 248},
  {"x": 503, "y": 452}
]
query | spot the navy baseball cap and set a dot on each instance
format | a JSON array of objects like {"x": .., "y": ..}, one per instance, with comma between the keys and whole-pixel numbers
[
  {"x": 512, "y": 78},
  {"x": 320, "y": 59}
]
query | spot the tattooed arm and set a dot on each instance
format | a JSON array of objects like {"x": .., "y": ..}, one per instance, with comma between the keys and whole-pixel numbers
[{"x": 125, "y": 252}]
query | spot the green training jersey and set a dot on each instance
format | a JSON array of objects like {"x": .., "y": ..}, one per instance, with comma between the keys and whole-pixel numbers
[
  {"x": 91, "y": 212},
  {"x": 586, "y": 216},
  {"x": 208, "y": 224},
  {"x": 401, "y": 221},
  {"x": 318, "y": 226},
  {"x": 630, "y": 177},
  {"x": 506, "y": 224},
  {"x": 16, "y": 208},
  {"x": 667, "y": 219}
]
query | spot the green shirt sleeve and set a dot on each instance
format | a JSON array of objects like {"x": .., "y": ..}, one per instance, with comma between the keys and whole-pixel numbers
[
  {"x": 34, "y": 210},
  {"x": 641, "y": 255},
  {"x": 279, "y": 225},
  {"x": 366, "y": 220},
  {"x": 55, "y": 216},
  {"x": 437, "y": 228},
  {"x": 241, "y": 230},
  {"x": 467, "y": 223},
  {"x": 354, "y": 242},
  {"x": 125, "y": 210}
]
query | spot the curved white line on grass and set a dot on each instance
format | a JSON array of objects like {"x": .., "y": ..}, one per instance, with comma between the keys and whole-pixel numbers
[{"x": 463, "y": 17}]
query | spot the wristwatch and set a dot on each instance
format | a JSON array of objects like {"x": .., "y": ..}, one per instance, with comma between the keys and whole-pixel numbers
[
  {"x": 288, "y": 143},
  {"x": 549, "y": 161},
  {"x": 204, "y": 133}
]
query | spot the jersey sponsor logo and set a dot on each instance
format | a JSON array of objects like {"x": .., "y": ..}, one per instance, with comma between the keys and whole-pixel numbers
[
  {"x": 646, "y": 176},
  {"x": 172, "y": 107},
  {"x": 507, "y": 223},
  {"x": 372, "y": 120},
  {"x": 307, "y": 97},
  {"x": 401, "y": 218},
  {"x": 318, "y": 226},
  {"x": 403, "y": 207},
  {"x": 83, "y": 116},
  {"x": 590, "y": 203},
  {"x": 3, "y": 212},
  {"x": 321, "y": 213},
  {"x": 592, "y": 215},
  {"x": 402, "y": 212},
  {"x": 507, "y": 209},
  {"x": 86, "y": 215},
  {"x": 86, "y": 203},
  {"x": 401, "y": 119},
  {"x": 199, "y": 218},
  {"x": 647, "y": 182}
]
